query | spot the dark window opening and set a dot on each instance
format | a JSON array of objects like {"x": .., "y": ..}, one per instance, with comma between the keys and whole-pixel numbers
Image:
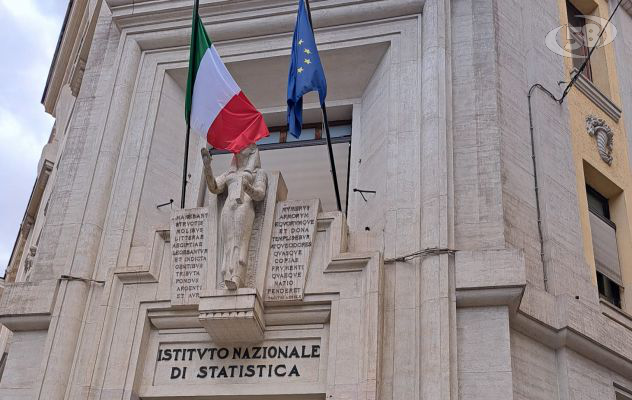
[
  {"x": 597, "y": 203},
  {"x": 311, "y": 135},
  {"x": 609, "y": 290},
  {"x": 578, "y": 39},
  {"x": 3, "y": 363},
  {"x": 304, "y": 162}
]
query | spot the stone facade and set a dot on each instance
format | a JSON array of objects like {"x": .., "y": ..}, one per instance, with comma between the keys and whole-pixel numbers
[{"x": 437, "y": 286}]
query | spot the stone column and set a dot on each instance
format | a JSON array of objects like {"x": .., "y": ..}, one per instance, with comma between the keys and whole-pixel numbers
[
  {"x": 437, "y": 299},
  {"x": 85, "y": 178}
]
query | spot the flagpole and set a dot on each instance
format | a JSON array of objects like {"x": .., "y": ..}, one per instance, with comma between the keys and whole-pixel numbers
[
  {"x": 309, "y": 14},
  {"x": 334, "y": 175},
  {"x": 185, "y": 167},
  {"x": 188, "y": 135},
  {"x": 332, "y": 163}
]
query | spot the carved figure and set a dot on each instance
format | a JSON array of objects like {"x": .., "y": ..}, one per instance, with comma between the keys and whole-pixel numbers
[
  {"x": 598, "y": 129},
  {"x": 28, "y": 263},
  {"x": 245, "y": 182}
]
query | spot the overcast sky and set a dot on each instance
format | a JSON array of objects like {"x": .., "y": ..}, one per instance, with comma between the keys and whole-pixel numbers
[{"x": 28, "y": 35}]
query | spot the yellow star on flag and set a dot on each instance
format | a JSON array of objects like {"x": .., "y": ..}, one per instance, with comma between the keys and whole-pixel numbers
[
  {"x": 307, "y": 51},
  {"x": 300, "y": 42},
  {"x": 300, "y": 70},
  {"x": 308, "y": 61}
]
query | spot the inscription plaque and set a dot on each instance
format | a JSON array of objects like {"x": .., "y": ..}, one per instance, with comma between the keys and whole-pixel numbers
[
  {"x": 290, "y": 249},
  {"x": 189, "y": 254},
  {"x": 270, "y": 361}
]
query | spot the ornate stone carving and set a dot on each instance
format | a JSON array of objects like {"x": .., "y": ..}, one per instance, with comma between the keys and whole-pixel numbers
[
  {"x": 598, "y": 129},
  {"x": 28, "y": 263},
  {"x": 79, "y": 68},
  {"x": 245, "y": 183}
]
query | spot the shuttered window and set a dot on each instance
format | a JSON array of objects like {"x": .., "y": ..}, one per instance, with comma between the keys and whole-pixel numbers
[{"x": 604, "y": 239}]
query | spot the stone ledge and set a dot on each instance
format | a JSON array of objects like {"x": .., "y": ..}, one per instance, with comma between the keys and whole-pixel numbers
[
  {"x": 599, "y": 99},
  {"x": 616, "y": 314},
  {"x": 564, "y": 321},
  {"x": 235, "y": 317},
  {"x": 304, "y": 314},
  {"x": 29, "y": 298},
  {"x": 489, "y": 268}
]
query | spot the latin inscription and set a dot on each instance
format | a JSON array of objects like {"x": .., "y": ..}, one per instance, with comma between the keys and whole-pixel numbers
[
  {"x": 189, "y": 254},
  {"x": 290, "y": 249}
]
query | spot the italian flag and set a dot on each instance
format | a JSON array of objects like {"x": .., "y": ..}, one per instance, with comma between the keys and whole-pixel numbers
[{"x": 216, "y": 108}]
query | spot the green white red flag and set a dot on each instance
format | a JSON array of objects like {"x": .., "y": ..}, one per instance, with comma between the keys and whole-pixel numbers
[{"x": 216, "y": 108}]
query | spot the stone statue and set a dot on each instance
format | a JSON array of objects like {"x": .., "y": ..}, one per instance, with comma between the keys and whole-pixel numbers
[
  {"x": 28, "y": 263},
  {"x": 245, "y": 182}
]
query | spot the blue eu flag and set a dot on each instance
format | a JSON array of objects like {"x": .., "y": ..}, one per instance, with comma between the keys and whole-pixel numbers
[{"x": 306, "y": 71}]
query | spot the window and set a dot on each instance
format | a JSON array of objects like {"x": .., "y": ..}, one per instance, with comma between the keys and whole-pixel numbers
[
  {"x": 604, "y": 238},
  {"x": 609, "y": 290},
  {"x": 622, "y": 393},
  {"x": 598, "y": 204},
  {"x": 3, "y": 363},
  {"x": 304, "y": 162},
  {"x": 578, "y": 39}
]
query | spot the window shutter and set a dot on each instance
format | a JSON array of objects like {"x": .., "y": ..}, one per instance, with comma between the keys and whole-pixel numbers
[{"x": 604, "y": 240}]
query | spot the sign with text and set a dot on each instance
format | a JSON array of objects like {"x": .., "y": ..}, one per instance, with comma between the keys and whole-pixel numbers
[
  {"x": 270, "y": 361},
  {"x": 290, "y": 249},
  {"x": 189, "y": 254}
]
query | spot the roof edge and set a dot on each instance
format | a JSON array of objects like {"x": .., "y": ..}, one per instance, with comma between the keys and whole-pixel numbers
[{"x": 56, "y": 55}]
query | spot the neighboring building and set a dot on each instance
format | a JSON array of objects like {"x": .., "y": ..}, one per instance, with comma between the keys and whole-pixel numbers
[{"x": 452, "y": 273}]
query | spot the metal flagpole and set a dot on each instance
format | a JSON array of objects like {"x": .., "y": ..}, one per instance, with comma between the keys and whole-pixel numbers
[
  {"x": 332, "y": 163},
  {"x": 188, "y": 135},
  {"x": 331, "y": 157},
  {"x": 185, "y": 167}
]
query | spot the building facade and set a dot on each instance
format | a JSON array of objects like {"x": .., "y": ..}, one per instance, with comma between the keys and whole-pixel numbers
[{"x": 484, "y": 249}]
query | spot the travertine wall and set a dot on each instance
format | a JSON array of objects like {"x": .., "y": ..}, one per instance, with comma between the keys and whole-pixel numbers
[{"x": 440, "y": 131}]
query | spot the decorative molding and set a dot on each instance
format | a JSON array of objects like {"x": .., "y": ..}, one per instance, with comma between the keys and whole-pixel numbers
[
  {"x": 598, "y": 129},
  {"x": 298, "y": 314},
  {"x": 622, "y": 392},
  {"x": 568, "y": 337},
  {"x": 560, "y": 321},
  {"x": 233, "y": 316},
  {"x": 616, "y": 314},
  {"x": 601, "y": 100},
  {"x": 350, "y": 262},
  {"x": 627, "y": 5},
  {"x": 142, "y": 14},
  {"x": 78, "y": 70}
]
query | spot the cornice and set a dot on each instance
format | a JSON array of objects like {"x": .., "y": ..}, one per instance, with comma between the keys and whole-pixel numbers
[
  {"x": 565, "y": 321},
  {"x": 72, "y": 42},
  {"x": 496, "y": 278},
  {"x": 130, "y": 14}
]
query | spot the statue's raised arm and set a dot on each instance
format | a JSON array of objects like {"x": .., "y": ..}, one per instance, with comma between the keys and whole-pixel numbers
[{"x": 215, "y": 186}]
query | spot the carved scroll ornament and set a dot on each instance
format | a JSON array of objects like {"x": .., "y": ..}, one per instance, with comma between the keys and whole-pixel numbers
[{"x": 598, "y": 129}]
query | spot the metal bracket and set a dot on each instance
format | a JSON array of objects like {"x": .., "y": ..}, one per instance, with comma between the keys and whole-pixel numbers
[
  {"x": 170, "y": 203},
  {"x": 362, "y": 192}
]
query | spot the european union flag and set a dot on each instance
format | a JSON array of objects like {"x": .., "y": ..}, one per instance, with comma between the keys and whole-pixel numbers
[{"x": 306, "y": 71}]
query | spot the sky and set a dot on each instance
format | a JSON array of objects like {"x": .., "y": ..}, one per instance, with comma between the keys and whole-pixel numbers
[{"x": 28, "y": 35}]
